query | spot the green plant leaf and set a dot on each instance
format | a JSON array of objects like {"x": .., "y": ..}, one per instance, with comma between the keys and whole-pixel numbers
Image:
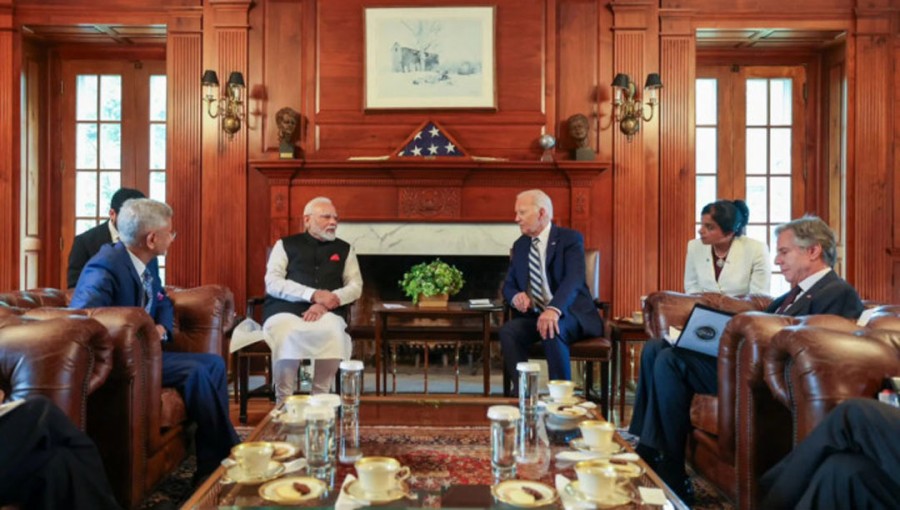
[{"x": 430, "y": 279}]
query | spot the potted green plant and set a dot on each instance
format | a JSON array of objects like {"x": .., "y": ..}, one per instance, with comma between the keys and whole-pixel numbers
[{"x": 432, "y": 283}]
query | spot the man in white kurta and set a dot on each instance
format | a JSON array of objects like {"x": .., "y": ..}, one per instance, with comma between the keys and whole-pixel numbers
[{"x": 311, "y": 278}]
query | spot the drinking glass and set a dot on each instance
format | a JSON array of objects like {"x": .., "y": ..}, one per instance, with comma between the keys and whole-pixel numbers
[
  {"x": 504, "y": 429},
  {"x": 351, "y": 382},
  {"x": 528, "y": 386},
  {"x": 319, "y": 440}
]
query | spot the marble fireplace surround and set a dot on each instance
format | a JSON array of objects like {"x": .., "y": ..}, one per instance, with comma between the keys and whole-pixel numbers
[{"x": 405, "y": 211}]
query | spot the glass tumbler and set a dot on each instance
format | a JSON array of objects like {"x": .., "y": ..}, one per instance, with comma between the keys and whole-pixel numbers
[
  {"x": 319, "y": 440},
  {"x": 351, "y": 382},
  {"x": 528, "y": 387},
  {"x": 504, "y": 431}
]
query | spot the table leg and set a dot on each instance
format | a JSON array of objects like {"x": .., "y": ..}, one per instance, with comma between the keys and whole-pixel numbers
[
  {"x": 486, "y": 352},
  {"x": 623, "y": 359},
  {"x": 379, "y": 331}
]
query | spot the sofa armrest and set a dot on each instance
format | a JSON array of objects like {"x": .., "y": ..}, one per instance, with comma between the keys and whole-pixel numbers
[
  {"x": 203, "y": 315},
  {"x": 64, "y": 359},
  {"x": 812, "y": 369}
]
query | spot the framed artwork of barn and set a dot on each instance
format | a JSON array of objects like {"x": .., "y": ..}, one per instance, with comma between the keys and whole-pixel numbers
[{"x": 430, "y": 57}]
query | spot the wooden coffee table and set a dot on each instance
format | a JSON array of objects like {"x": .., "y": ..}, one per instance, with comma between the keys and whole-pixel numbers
[{"x": 443, "y": 440}]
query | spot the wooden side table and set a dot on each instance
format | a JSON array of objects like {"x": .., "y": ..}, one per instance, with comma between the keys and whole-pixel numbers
[
  {"x": 624, "y": 332},
  {"x": 454, "y": 310}
]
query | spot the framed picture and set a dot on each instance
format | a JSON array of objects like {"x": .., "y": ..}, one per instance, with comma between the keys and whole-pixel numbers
[{"x": 430, "y": 57}]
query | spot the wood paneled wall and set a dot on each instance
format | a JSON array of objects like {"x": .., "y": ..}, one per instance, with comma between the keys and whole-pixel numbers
[{"x": 554, "y": 58}]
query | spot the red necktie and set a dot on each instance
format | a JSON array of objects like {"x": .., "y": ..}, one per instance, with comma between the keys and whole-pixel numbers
[{"x": 789, "y": 299}]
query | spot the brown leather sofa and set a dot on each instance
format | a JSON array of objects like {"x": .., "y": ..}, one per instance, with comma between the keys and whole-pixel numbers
[
  {"x": 65, "y": 359},
  {"x": 139, "y": 426},
  {"x": 736, "y": 431}
]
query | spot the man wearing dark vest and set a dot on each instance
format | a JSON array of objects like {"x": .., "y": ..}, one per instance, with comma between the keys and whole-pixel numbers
[{"x": 311, "y": 278}]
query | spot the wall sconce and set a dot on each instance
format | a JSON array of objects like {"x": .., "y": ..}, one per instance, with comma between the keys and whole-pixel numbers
[
  {"x": 627, "y": 110},
  {"x": 230, "y": 106}
]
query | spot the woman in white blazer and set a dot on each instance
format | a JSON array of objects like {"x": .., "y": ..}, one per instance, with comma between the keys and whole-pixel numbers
[{"x": 723, "y": 259}]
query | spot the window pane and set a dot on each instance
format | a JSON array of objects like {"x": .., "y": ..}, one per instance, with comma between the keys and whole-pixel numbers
[
  {"x": 706, "y": 192},
  {"x": 158, "y": 97},
  {"x": 758, "y": 232},
  {"x": 109, "y": 183},
  {"x": 111, "y": 146},
  {"x": 780, "y": 147},
  {"x": 757, "y": 192},
  {"x": 82, "y": 226},
  {"x": 780, "y": 104},
  {"x": 86, "y": 194},
  {"x": 158, "y": 186},
  {"x": 780, "y": 199},
  {"x": 86, "y": 147},
  {"x": 756, "y": 151},
  {"x": 756, "y": 102},
  {"x": 110, "y": 98},
  {"x": 707, "y": 102},
  {"x": 157, "y": 146},
  {"x": 86, "y": 93},
  {"x": 706, "y": 150}
]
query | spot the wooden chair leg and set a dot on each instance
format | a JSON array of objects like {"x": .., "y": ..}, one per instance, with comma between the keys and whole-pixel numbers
[
  {"x": 243, "y": 386},
  {"x": 604, "y": 387}
]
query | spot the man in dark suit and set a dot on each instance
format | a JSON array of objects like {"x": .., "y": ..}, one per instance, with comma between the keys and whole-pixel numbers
[
  {"x": 669, "y": 378},
  {"x": 127, "y": 274},
  {"x": 46, "y": 462},
  {"x": 849, "y": 461},
  {"x": 88, "y": 243},
  {"x": 546, "y": 287}
]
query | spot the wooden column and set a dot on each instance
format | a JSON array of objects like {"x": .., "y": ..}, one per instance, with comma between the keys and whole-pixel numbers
[
  {"x": 676, "y": 117},
  {"x": 871, "y": 203},
  {"x": 9, "y": 148},
  {"x": 223, "y": 230},
  {"x": 634, "y": 164},
  {"x": 184, "y": 52}
]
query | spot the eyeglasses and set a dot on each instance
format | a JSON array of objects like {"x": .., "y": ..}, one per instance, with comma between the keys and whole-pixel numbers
[{"x": 173, "y": 234}]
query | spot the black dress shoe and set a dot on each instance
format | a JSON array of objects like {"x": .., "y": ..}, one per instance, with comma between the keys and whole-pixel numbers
[{"x": 686, "y": 494}]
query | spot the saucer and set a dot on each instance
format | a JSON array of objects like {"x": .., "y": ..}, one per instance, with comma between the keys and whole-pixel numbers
[
  {"x": 566, "y": 401},
  {"x": 282, "y": 491},
  {"x": 579, "y": 444},
  {"x": 616, "y": 498},
  {"x": 238, "y": 475},
  {"x": 566, "y": 412},
  {"x": 284, "y": 450},
  {"x": 523, "y": 493},
  {"x": 355, "y": 490}
]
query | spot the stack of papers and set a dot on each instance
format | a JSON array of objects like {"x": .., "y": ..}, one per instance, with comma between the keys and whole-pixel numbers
[{"x": 481, "y": 303}]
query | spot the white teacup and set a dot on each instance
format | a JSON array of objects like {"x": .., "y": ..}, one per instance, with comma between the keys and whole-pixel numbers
[
  {"x": 597, "y": 433},
  {"x": 561, "y": 390},
  {"x": 378, "y": 475},
  {"x": 596, "y": 478},
  {"x": 253, "y": 457},
  {"x": 294, "y": 406}
]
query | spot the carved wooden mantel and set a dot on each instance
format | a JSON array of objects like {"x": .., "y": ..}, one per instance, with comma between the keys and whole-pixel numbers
[{"x": 426, "y": 190}]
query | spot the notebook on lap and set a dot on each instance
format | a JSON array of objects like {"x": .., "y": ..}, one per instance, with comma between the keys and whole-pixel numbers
[{"x": 703, "y": 330}]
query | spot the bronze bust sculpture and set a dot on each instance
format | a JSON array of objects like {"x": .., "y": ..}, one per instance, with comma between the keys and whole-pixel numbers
[
  {"x": 286, "y": 119},
  {"x": 579, "y": 129}
]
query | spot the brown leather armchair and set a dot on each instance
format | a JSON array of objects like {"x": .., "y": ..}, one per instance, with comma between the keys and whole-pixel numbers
[
  {"x": 64, "y": 359},
  {"x": 738, "y": 431},
  {"x": 139, "y": 426}
]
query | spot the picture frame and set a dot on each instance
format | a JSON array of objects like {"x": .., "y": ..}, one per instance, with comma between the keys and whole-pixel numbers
[{"x": 430, "y": 57}]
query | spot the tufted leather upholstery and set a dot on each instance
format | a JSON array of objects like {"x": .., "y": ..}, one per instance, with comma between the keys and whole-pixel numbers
[
  {"x": 139, "y": 426},
  {"x": 740, "y": 435},
  {"x": 64, "y": 359}
]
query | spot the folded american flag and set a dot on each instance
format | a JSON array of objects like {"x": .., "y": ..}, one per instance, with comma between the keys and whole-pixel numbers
[{"x": 430, "y": 141}]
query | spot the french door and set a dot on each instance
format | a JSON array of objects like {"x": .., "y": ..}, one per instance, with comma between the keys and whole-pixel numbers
[
  {"x": 113, "y": 116},
  {"x": 750, "y": 132}
]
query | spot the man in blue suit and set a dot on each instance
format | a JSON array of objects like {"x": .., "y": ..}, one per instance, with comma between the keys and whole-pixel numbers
[
  {"x": 127, "y": 274},
  {"x": 546, "y": 287}
]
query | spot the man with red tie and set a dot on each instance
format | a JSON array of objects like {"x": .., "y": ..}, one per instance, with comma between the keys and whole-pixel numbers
[{"x": 669, "y": 378}]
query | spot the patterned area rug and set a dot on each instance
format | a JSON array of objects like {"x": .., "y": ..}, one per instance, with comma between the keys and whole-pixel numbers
[{"x": 437, "y": 457}]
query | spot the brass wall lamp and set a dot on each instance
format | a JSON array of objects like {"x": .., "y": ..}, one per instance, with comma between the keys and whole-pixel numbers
[
  {"x": 230, "y": 106},
  {"x": 629, "y": 111}
]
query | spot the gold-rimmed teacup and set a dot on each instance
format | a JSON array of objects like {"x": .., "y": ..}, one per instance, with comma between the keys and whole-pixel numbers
[
  {"x": 253, "y": 457},
  {"x": 380, "y": 474}
]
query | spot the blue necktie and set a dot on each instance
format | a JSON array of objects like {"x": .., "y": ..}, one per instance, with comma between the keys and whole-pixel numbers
[
  {"x": 536, "y": 275},
  {"x": 147, "y": 281}
]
